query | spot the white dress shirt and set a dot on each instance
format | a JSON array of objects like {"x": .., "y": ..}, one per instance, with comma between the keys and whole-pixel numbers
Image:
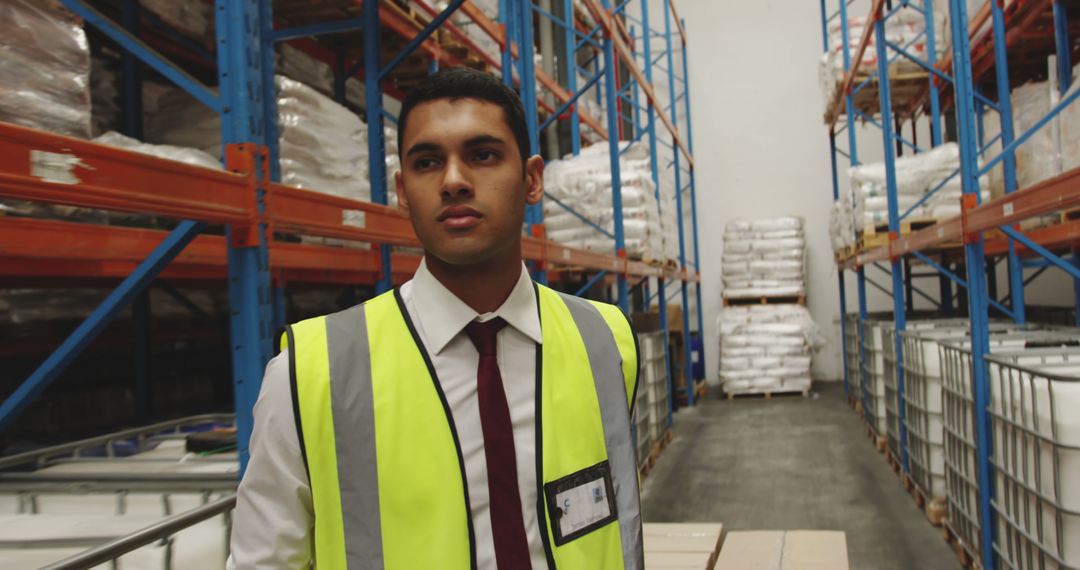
[{"x": 272, "y": 525}]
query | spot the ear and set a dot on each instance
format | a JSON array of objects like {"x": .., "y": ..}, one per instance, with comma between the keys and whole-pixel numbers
[
  {"x": 534, "y": 179},
  {"x": 399, "y": 187}
]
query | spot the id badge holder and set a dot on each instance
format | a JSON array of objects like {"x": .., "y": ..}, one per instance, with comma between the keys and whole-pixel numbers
[{"x": 581, "y": 502}]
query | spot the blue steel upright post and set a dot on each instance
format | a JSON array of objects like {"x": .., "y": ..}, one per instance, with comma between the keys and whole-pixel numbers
[
  {"x": 654, "y": 161},
  {"x": 1001, "y": 72},
  {"x": 976, "y": 277},
  {"x": 611, "y": 96},
  {"x": 508, "y": 22},
  {"x": 899, "y": 320},
  {"x": 534, "y": 214},
  {"x": 373, "y": 99},
  {"x": 688, "y": 363},
  {"x": 571, "y": 75},
  {"x": 836, "y": 197},
  {"x": 693, "y": 198},
  {"x": 853, "y": 154},
  {"x": 240, "y": 28}
]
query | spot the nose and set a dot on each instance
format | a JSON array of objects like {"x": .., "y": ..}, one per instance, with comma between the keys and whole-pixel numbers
[{"x": 456, "y": 183}]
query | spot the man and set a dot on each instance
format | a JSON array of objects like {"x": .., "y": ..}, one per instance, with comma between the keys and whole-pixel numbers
[{"x": 469, "y": 419}]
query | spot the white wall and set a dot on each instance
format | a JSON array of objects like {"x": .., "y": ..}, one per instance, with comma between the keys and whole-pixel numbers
[{"x": 760, "y": 146}]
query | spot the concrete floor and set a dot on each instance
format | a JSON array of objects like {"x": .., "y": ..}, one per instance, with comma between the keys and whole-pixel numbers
[{"x": 792, "y": 463}]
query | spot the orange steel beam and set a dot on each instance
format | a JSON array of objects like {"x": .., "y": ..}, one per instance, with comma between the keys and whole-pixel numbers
[
  {"x": 1058, "y": 193},
  {"x": 849, "y": 77},
  {"x": 498, "y": 34},
  {"x": 50, "y": 248},
  {"x": 605, "y": 19},
  {"x": 50, "y": 168},
  {"x": 678, "y": 21},
  {"x": 1050, "y": 237},
  {"x": 314, "y": 213},
  {"x": 44, "y": 167}
]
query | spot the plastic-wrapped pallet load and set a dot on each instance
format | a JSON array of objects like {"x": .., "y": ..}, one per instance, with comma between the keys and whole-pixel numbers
[
  {"x": 192, "y": 156},
  {"x": 1039, "y": 157},
  {"x": 104, "y": 92},
  {"x": 766, "y": 348},
  {"x": 299, "y": 66},
  {"x": 1070, "y": 129},
  {"x": 583, "y": 183},
  {"x": 44, "y": 68},
  {"x": 906, "y": 28},
  {"x": 764, "y": 258},
  {"x": 193, "y": 18},
  {"x": 323, "y": 146}
]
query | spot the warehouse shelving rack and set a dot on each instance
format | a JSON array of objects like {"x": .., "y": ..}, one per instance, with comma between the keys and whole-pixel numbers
[
  {"x": 248, "y": 202},
  {"x": 978, "y": 60}
]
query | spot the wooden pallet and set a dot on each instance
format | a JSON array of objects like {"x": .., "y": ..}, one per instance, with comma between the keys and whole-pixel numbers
[
  {"x": 879, "y": 441},
  {"x": 767, "y": 394},
  {"x": 785, "y": 300},
  {"x": 654, "y": 453},
  {"x": 873, "y": 236},
  {"x": 966, "y": 559},
  {"x": 935, "y": 508},
  {"x": 894, "y": 462},
  {"x": 701, "y": 390}
]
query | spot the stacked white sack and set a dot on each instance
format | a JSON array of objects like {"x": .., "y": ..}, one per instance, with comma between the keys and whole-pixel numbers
[
  {"x": 104, "y": 92},
  {"x": 323, "y": 146},
  {"x": 469, "y": 27},
  {"x": 44, "y": 68},
  {"x": 298, "y": 65},
  {"x": 192, "y": 156},
  {"x": 764, "y": 258},
  {"x": 766, "y": 348},
  {"x": 583, "y": 183},
  {"x": 906, "y": 28},
  {"x": 192, "y": 18},
  {"x": 916, "y": 176}
]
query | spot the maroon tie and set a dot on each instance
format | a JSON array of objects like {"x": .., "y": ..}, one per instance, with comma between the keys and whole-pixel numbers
[{"x": 507, "y": 522}]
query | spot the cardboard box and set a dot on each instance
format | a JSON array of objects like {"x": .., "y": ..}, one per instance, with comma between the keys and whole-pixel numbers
[
  {"x": 780, "y": 550},
  {"x": 682, "y": 546},
  {"x": 649, "y": 321}
]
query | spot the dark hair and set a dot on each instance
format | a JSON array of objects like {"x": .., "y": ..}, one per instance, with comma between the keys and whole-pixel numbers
[{"x": 465, "y": 83}]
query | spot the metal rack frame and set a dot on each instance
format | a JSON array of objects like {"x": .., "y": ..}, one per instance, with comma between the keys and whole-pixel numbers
[
  {"x": 957, "y": 75},
  {"x": 249, "y": 202}
]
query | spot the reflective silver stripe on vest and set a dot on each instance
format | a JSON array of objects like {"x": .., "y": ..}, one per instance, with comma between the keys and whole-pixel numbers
[
  {"x": 606, "y": 363},
  {"x": 354, "y": 428}
]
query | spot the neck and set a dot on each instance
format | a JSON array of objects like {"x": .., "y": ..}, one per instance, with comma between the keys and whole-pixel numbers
[{"x": 484, "y": 286}]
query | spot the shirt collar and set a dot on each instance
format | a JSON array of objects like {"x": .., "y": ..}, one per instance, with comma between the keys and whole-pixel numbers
[{"x": 443, "y": 315}]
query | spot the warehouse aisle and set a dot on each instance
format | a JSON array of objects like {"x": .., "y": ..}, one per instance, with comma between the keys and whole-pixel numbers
[{"x": 792, "y": 463}]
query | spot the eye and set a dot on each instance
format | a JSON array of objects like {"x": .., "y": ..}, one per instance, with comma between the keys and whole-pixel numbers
[
  {"x": 425, "y": 163},
  {"x": 485, "y": 156}
]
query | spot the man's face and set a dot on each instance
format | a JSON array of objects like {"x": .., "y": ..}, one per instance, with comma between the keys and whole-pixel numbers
[{"x": 462, "y": 182}]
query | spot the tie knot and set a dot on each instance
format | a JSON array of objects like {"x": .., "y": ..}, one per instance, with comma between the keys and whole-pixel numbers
[{"x": 483, "y": 334}]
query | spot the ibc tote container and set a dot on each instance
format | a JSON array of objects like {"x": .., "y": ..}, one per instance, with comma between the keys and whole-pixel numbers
[
  {"x": 892, "y": 405},
  {"x": 961, "y": 457},
  {"x": 851, "y": 349},
  {"x": 1036, "y": 428}
]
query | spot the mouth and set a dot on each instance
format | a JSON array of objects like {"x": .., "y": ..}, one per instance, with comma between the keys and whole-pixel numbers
[{"x": 459, "y": 217}]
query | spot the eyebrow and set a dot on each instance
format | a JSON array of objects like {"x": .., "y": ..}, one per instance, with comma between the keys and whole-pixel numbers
[
  {"x": 484, "y": 139},
  {"x": 478, "y": 140}
]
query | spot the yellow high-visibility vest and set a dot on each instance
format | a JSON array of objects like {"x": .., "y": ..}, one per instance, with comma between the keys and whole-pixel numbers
[{"x": 384, "y": 461}]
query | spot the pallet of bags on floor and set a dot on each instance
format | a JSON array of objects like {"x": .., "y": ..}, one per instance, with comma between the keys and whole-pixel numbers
[
  {"x": 580, "y": 187},
  {"x": 767, "y": 349},
  {"x": 764, "y": 258}
]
